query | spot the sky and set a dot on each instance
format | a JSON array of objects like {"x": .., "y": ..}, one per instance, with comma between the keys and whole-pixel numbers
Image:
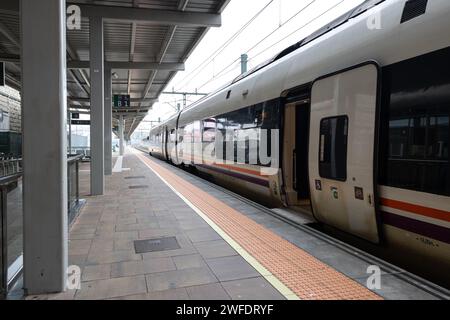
[{"x": 259, "y": 28}]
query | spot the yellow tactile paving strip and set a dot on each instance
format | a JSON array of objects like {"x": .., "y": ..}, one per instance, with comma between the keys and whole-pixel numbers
[{"x": 306, "y": 276}]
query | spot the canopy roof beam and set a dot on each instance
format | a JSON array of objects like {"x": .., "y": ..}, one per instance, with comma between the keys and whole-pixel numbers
[{"x": 142, "y": 15}]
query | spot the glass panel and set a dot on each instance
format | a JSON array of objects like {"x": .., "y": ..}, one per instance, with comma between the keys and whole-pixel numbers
[
  {"x": 416, "y": 107},
  {"x": 14, "y": 225},
  {"x": 333, "y": 148}
]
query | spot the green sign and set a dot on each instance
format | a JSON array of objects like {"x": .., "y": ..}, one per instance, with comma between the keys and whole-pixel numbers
[{"x": 121, "y": 100}]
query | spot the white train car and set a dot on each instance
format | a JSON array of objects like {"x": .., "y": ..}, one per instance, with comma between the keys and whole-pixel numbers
[{"x": 362, "y": 107}]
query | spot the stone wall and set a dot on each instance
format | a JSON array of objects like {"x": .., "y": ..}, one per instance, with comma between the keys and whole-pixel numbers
[{"x": 10, "y": 106}]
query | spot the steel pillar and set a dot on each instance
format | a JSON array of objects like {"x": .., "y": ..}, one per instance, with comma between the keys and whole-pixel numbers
[
  {"x": 97, "y": 106},
  {"x": 44, "y": 99}
]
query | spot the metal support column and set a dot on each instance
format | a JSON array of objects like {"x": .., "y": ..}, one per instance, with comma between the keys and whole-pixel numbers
[
  {"x": 121, "y": 135},
  {"x": 97, "y": 106},
  {"x": 108, "y": 122},
  {"x": 44, "y": 102}
]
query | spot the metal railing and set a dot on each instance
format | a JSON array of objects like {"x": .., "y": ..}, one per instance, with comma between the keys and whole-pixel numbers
[
  {"x": 73, "y": 186},
  {"x": 9, "y": 166},
  {"x": 85, "y": 152},
  {"x": 11, "y": 234}
]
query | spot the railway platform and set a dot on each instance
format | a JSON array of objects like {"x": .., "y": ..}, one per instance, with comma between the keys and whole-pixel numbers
[{"x": 162, "y": 233}]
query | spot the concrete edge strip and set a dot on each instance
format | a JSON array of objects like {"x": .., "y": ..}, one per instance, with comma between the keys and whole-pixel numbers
[
  {"x": 118, "y": 166},
  {"x": 274, "y": 281}
]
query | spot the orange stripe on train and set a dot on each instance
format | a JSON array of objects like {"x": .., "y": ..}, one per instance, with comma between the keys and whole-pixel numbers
[{"x": 414, "y": 208}]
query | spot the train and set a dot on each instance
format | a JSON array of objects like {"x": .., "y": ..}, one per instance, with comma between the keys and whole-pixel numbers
[{"x": 358, "y": 113}]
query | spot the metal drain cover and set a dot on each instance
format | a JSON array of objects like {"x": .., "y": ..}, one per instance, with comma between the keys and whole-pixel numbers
[
  {"x": 154, "y": 245},
  {"x": 134, "y": 177},
  {"x": 138, "y": 187}
]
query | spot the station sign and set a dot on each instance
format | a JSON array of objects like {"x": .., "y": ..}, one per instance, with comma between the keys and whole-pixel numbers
[
  {"x": 81, "y": 122},
  {"x": 121, "y": 100},
  {"x": 2, "y": 74}
]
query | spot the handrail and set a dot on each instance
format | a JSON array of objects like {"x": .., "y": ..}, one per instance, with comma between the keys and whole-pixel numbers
[
  {"x": 9, "y": 179},
  {"x": 75, "y": 158}
]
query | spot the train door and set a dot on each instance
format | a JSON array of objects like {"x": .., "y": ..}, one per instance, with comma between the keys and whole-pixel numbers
[
  {"x": 343, "y": 138},
  {"x": 295, "y": 166}
]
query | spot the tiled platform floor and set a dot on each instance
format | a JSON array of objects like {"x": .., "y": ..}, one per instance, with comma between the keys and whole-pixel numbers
[
  {"x": 101, "y": 243},
  {"x": 205, "y": 267}
]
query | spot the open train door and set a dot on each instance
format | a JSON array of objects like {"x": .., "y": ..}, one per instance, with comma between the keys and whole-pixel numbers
[{"x": 342, "y": 162}]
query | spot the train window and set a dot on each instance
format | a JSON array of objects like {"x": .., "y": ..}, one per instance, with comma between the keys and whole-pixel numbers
[
  {"x": 333, "y": 148},
  {"x": 416, "y": 112},
  {"x": 209, "y": 130}
]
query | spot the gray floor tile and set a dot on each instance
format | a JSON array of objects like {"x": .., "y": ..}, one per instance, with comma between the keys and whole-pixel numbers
[
  {"x": 203, "y": 234},
  {"x": 215, "y": 249},
  {"x": 111, "y": 257},
  {"x": 96, "y": 272},
  {"x": 189, "y": 261},
  {"x": 231, "y": 268},
  {"x": 171, "y": 294},
  {"x": 111, "y": 288},
  {"x": 252, "y": 289},
  {"x": 180, "y": 278},
  {"x": 212, "y": 291}
]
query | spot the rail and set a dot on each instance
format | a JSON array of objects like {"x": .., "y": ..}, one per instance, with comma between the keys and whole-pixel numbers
[{"x": 11, "y": 234}]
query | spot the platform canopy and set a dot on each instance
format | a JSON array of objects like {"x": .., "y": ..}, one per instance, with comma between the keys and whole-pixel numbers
[{"x": 146, "y": 43}]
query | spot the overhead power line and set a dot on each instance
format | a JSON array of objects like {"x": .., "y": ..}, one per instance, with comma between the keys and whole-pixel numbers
[
  {"x": 221, "y": 74},
  {"x": 192, "y": 74}
]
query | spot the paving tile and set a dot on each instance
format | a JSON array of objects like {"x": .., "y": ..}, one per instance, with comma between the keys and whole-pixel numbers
[
  {"x": 189, "y": 261},
  {"x": 96, "y": 272},
  {"x": 112, "y": 288},
  {"x": 102, "y": 245},
  {"x": 118, "y": 235},
  {"x": 158, "y": 265},
  {"x": 82, "y": 229},
  {"x": 111, "y": 257},
  {"x": 79, "y": 259},
  {"x": 79, "y": 247},
  {"x": 231, "y": 268},
  {"x": 123, "y": 244},
  {"x": 156, "y": 233},
  {"x": 251, "y": 289},
  {"x": 127, "y": 268},
  {"x": 126, "y": 221},
  {"x": 215, "y": 249},
  {"x": 213, "y": 291},
  {"x": 170, "y": 253},
  {"x": 203, "y": 234},
  {"x": 131, "y": 268},
  {"x": 136, "y": 226},
  {"x": 172, "y": 294},
  {"x": 180, "y": 278}
]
